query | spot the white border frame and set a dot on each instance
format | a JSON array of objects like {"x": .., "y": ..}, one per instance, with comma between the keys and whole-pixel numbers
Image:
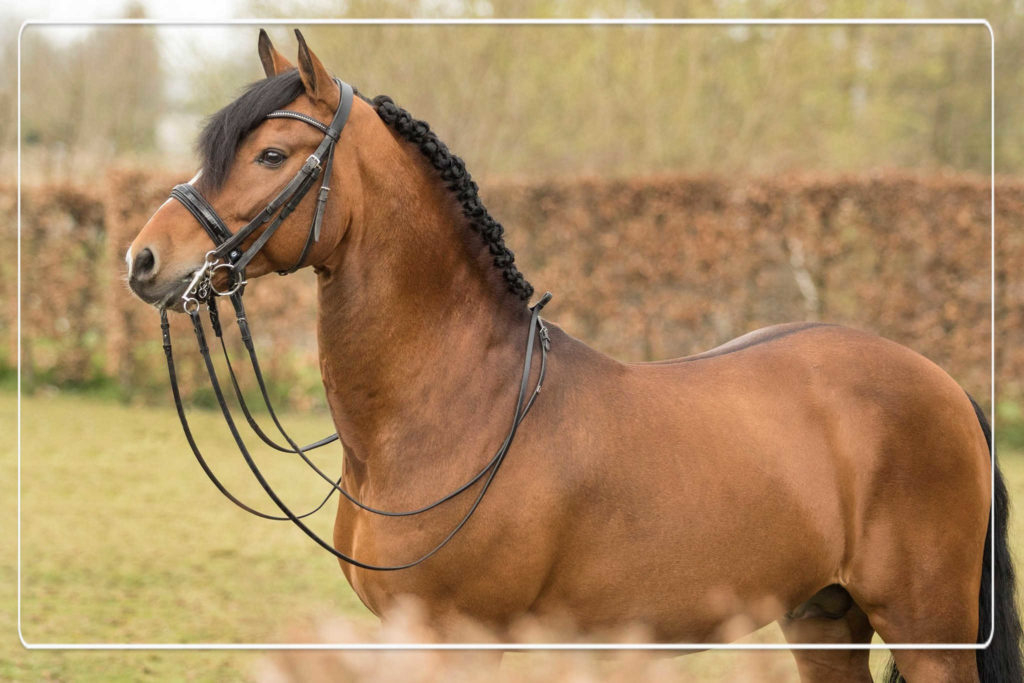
[{"x": 680, "y": 647}]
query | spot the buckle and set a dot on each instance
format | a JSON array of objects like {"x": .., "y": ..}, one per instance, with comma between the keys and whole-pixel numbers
[{"x": 312, "y": 164}]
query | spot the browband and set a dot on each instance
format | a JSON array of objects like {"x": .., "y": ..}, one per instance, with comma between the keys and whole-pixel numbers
[{"x": 288, "y": 114}]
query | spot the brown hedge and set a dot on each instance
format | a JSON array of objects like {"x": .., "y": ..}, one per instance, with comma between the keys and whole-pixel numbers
[{"x": 642, "y": 269}]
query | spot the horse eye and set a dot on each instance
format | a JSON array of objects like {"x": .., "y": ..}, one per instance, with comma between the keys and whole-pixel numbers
[{"x": 271, "y": 157}]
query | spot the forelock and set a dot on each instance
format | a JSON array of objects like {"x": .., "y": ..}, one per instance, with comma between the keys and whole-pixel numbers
[{"x": 225, "y": 130}]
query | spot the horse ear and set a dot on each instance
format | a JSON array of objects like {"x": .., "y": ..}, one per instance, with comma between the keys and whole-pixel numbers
[
  {"x": 273, "y": 61},
  {"x": 318, "y": 83}
]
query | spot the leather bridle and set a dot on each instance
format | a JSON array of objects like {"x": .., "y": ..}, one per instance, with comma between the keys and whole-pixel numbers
[
  {"x": 229, "y": 255},
  {"x": 228, "y": 252}
]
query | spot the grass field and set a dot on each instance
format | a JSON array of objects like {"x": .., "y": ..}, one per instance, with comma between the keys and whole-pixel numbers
[{"x": 124, "y": 540}]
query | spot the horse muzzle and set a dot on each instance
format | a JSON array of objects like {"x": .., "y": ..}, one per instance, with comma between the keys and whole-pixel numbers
[{"x": 147, "y": 282}]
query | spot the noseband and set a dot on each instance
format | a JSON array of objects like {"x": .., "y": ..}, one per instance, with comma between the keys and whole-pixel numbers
[{"x": 228, "y": 255}]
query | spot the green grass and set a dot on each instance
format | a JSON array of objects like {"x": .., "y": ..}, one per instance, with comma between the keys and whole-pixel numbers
[
  {"x": 124, "y": 540},
  {"x": 1010, "y": 422}
]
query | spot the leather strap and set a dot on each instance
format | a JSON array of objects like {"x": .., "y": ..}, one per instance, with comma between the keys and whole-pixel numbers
[
  {"x": 202, "y": 211},
  {"x": 522, "y": 407},
  {"x": 236, "y": 300},
  {"x": 166, "y": 331},
  {"x": 285, "y": 113},
  {"x": 247, "y": 340}
]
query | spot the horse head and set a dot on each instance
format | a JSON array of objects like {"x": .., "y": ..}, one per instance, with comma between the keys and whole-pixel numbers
[{"x": 254, "y": 152}]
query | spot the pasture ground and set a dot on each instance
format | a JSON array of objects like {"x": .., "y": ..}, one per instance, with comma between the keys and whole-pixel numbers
[{"x": 124, "y": 540}]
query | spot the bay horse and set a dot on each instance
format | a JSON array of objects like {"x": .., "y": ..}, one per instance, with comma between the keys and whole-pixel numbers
[{"x": 809, "y": 474}]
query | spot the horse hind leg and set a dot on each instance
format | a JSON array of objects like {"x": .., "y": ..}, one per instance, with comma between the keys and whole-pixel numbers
[
  {"x": 833, "y": 616},
  {"x": 933, "y": 621},
  {"x": 829, "y": 616}
]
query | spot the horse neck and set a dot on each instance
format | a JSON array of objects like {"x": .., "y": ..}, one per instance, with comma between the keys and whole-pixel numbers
[{"x": 420, "y": 341}]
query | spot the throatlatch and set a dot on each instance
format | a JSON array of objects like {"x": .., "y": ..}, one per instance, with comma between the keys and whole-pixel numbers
[{"x": 228, "y": 255}]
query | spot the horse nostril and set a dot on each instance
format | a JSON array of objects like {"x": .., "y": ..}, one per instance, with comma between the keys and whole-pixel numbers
[{"x": 143, "y": 264}]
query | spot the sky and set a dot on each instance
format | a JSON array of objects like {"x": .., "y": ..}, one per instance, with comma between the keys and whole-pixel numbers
[
  {"x": 82, "y": 10},
  {"x": 86, "y": 10}
]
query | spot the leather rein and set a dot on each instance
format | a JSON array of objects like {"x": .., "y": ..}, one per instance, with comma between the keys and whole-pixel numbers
[{"x": 228, "y": 255}]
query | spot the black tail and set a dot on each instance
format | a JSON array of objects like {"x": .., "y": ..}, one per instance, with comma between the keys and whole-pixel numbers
[{"x": 1002, "y": 660}]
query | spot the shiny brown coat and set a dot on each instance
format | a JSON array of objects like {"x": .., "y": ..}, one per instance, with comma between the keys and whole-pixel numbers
[{"x": 811, "y": 474}]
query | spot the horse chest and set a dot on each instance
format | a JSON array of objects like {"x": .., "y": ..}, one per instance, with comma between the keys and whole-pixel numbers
[{"x": 457, "y": 584}]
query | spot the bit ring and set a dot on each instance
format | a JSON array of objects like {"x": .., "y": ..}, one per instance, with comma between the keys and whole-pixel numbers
[{"x": 238, "y": 285}]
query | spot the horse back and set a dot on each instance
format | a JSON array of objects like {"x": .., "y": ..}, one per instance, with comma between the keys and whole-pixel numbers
[{"x": 764, "y": 469}]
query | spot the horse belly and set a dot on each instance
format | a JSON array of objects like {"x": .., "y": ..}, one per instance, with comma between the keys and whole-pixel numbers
[{"x": 712, "y": 550}]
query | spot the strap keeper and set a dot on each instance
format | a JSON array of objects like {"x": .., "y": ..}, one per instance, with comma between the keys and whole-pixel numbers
[
  {"x": 543, "y": 302},
  {"x": 165, "y": 329},
  {"x": 214, "y": 317},
  {"x": 312, "y": 164},
  {"x": 318, "y": 222},
  {"x": 197, "y": 325}
]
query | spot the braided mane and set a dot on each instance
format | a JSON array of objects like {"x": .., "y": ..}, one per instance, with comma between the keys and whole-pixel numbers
[
  {"x": 225, "y": 130},
  {"x": 453, "y": 171}
]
